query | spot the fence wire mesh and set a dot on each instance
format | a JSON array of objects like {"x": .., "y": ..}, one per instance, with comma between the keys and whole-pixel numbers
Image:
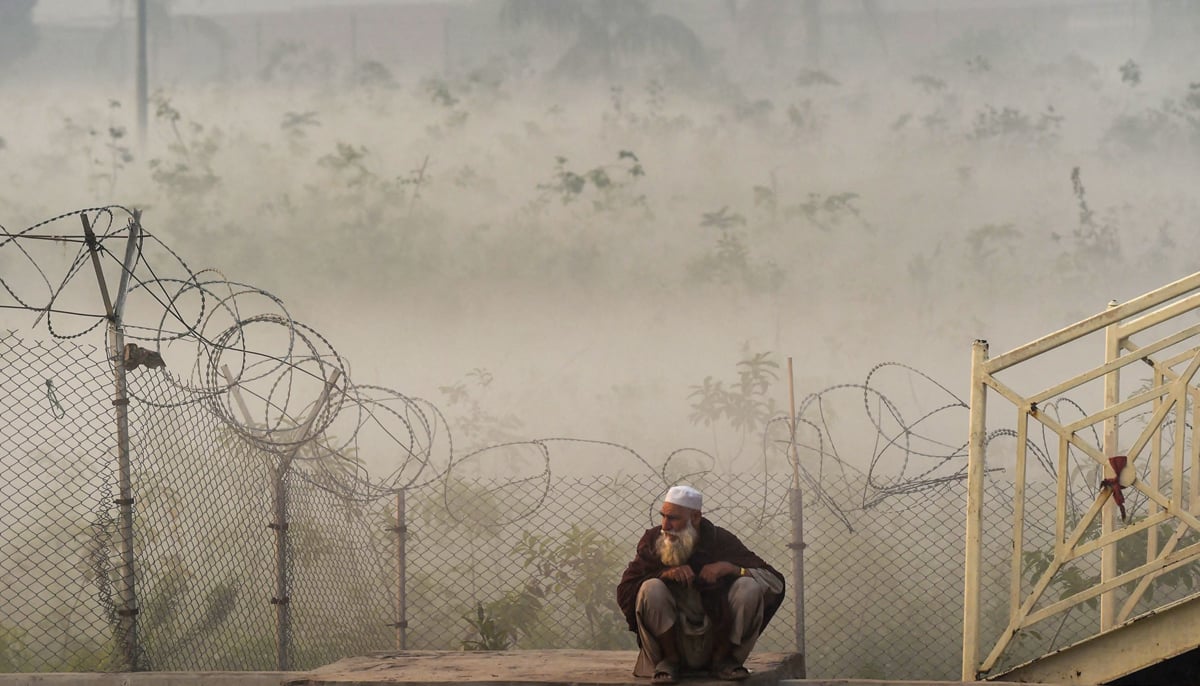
[
  {"x": 882, "y": 599},
  {"x": 1081, "y": 621},
  {"x": 204, "y": 552},
  {"x": 525, "y": 563},
  {"x": 259, "y": 540},
  {"x": 57, "y": 515}
]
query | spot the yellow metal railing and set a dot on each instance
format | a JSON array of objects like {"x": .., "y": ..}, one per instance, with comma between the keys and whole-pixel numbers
[{"x": 1159, "y": 317}]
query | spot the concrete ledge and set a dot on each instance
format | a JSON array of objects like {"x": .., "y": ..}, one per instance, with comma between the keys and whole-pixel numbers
[
  {"x": 147, "y": 678},
  {"x": 522, "y": 668},
  {"x": 877, "y": 682},
  {"x": 616, "y": 667}
]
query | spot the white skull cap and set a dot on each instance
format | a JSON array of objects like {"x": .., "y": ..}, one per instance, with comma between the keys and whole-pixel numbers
[{"x": 684, "y": 496}]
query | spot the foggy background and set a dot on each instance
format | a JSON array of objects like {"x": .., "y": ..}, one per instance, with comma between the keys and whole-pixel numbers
[{"x": 562, "y": 218}]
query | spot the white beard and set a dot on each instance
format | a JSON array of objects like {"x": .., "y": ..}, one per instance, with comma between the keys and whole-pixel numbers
[{"x": 674, "y": 549}]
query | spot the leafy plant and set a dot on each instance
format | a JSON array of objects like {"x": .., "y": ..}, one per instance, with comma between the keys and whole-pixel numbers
[
  {"x": 1008, "y": 124},
  {"x": 745, "y": 405},
  {"x": 1092, "y": 239},
  {"x": 1170, "y": 128},
  {"x": 295, "y": 126},
  {"x": 1131, "y": 553},
  {"x": 610, "y": 183},
  {"x": 815, "y": 77},
  {"x": 730, "y": 263},
  {"x": 827, "y": 211},
  {"x": 105, "y": 149},
  {"x": 13, "y": 651},
  {"x": 653, "y": 117},
  {"x": 490, "y": 633},
  {"x": 438, "y": 91},
  {"x": 581, "y": 569},
  {"x": 168, "y": 639},
  {"x": 187, "y": 173},
  {"x": 473, "y": 424},
  {"x": 978, "y": 65},
  {"x": 347, "y": 162},
  {"x": 1131, "y": 73},
  {"x": 984, "y": 242}
]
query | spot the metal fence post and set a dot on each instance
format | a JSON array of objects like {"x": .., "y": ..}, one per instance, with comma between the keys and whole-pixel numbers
[
  {"x": 401, "y": 531},
  {"x": 796, "y": 507},
  {"x": 282, "y": 599},
  {"x": 126, "y": 628},
  {"x": 283, "y": 619}
]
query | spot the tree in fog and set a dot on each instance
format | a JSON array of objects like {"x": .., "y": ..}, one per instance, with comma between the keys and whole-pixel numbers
[
  {"x": 162, "y": 23},
  {"x": 605, "y": 31},
  {"x": 18, "y": 35},
  {"x": 768, "y": 23}
]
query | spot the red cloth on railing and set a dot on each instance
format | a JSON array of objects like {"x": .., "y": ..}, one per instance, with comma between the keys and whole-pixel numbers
[{"x": 1118, "y": 463}]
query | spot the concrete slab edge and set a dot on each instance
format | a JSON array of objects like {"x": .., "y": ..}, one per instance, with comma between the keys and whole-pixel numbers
[
  {"x": 883, "y": 683},
  {"x": 148, "y": 678}
]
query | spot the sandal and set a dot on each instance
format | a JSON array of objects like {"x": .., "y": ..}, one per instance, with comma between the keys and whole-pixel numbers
[
  {"x": 665, "y": 673},
  {"x": 731, "y": 671}
]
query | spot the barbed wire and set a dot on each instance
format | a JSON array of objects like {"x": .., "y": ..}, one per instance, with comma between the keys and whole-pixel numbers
[{"x": 259, "y": 371}]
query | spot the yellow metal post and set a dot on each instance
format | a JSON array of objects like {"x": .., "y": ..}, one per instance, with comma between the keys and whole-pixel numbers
[
  {"x": 977, "y": 431},
  {"x": 1112, "y": 396}
]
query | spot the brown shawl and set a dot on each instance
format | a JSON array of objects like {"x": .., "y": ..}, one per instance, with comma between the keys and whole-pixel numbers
[{"x": 714, "y": 545}]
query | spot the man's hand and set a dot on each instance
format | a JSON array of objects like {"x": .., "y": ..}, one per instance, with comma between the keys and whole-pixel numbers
[
  {"x": 682, "y": 574},
  {"x": 716, "y": 570}
]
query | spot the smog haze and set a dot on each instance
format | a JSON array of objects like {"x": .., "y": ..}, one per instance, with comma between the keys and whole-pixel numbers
[{"x": 589, "y": 219}]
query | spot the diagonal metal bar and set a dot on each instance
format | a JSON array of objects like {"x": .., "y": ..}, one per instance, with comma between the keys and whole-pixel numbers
[
  {"x": 1112, "y": 537},
  {"x": 131, "y": 244},
  {"x": 1142, "y": 398},
  {"x": 1019, "y": 618},
  {"x": 1093, "y": 323},
  {"x": 1143, "y": 584},
  {"x": 1162, "y": 565},
  {"x": 1050, "y": 423},
  {"x": 1178, "y": 388},
  {"x": 1138, "y": 355},
  {"x": 1158, "y": 316},
  {"x": 94, "y": 251}
]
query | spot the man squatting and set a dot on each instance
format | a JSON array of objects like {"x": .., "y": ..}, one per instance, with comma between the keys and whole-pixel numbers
[{"x": 695, "y": 595}]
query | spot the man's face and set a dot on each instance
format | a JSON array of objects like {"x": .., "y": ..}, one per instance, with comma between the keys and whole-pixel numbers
[
  {"x": 675, "y": 518},
  {"x": 678, "y": 535}
]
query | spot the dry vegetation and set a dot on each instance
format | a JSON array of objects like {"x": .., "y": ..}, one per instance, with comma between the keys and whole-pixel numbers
[{"x": 598, "y": 247}]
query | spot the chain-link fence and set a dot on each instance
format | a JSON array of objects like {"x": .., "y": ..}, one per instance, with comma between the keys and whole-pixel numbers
[
  {"x": 57, "y": 516},
  {"x": 883, "y": 599},
  {"x": 204, "y": 545},
  {"x": 525, "y": 563},
  {"x": 1082, "y": 621}
]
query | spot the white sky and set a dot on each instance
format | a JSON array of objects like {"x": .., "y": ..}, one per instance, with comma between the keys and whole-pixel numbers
[{"x": 54, "y": 11}]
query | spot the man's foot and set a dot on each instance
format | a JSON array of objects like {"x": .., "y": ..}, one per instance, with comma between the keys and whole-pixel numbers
[
  {"x": 731, "y": 671},
  {"x": 665, "y": 673}
]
